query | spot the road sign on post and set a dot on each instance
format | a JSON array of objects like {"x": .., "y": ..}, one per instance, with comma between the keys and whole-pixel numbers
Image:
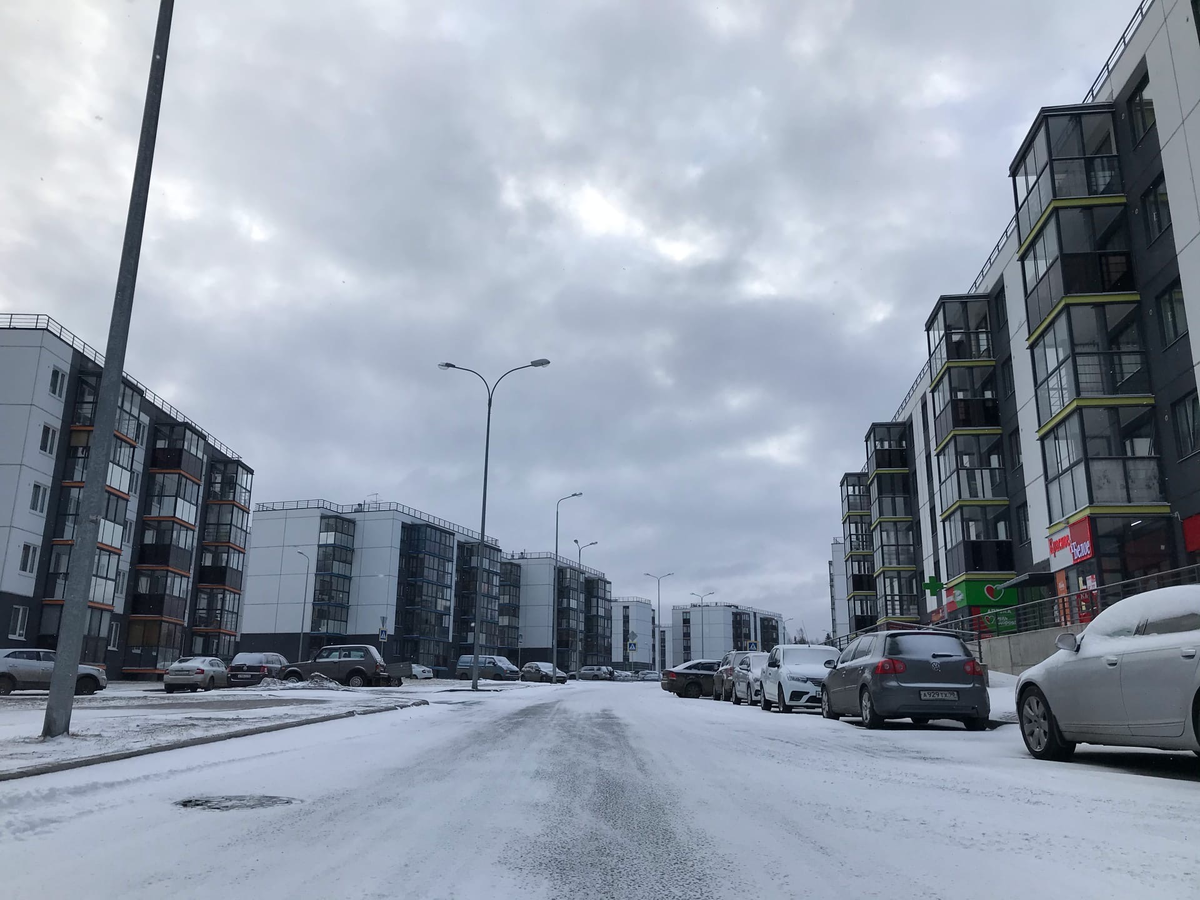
[
  {"x": 753, "y": 645},
  {"x": 632, "y": 646},
  {"x": 382, "y": 635}
]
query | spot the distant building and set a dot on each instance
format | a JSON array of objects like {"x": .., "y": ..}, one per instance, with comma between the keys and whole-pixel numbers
[
  {"x": 665, "y": 649},
  {"x": 710, "y": 630},
  {"x": 839, "y": 606},
  {"x": 584, "y": 610},
  {"x": 633, "y": 624}
]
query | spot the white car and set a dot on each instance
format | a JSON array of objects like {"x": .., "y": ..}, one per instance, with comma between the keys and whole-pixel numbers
[
  {"x": 747, "y": 678},
  {"x": 1132, "y": 678},
  {"x": 196, "y": 673},
  {"x": 30, "y": 670},
  {"x": 421, "y": 672},
  {"x": 794, "y": 675}
]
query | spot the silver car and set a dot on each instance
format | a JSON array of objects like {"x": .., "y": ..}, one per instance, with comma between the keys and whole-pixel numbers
[
  {"x": 30, "y": 670},
  {"x": 196, "y": 673},
  {"x": 1132, "y": 678},
  {"x": 747, "y": 678}
]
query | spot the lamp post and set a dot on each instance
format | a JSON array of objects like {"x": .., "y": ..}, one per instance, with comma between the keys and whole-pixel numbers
[
  {"x": 554, "y": 588},
  {"x": 487, "y": 443},
  {"x": 702, "y": 596},
  {"x": 659, "y": 579},
  {"x": 303, "y": 605},
  {"x": 579, "y": 557}
]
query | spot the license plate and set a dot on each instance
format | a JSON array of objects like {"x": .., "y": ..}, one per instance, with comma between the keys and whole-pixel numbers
[
  {"x": 939, "y": 695},
  {"x": 241, "y": 677}
]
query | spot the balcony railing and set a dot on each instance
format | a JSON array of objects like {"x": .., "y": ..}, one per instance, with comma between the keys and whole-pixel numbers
[
  {"x": 1125, "y": 480},
  {"x": 972, "y": 484},
  {"x": 978, "y": 412},
  {"x": 1112, "y": 373},
  {"x": 979, "y": 556},
  {"x": 887, "y": 458},
  {"x": 856, "y": 503},
  {"x": 1104, "y": 272},
  {"x": 1073, "y": 177}
]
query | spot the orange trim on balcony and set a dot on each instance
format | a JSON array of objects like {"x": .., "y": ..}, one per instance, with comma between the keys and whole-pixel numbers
[
  {"x": 240, "y": 506},
  {"x": 77, "y": 484},
  {"x": 109, "y": 547},
  {"x": 132, "y": 442},
  {"x": 63, "y": 542},
  {"x": 52, "y": 601},
  {"x": 229, "y": 544},
  {"x": 223, "y": 587},
  {"x": 82, "y": 428},
  {"x": 174, "y": 519},
  {"x": 198, "y": 629},
  {"x": 158, "y": 619},
  {"x": 186, "y": 475},
  {"x": 113, "y": 490},
  {"x": 152, "y": 567}
]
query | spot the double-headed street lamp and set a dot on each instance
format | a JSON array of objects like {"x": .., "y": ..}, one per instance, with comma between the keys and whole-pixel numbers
[
  {"x": 487, "y": 443},
  {"x": 579, "y": 641},
  {"x": 702, "y": 596},
  {"x": 659, "y": 579},
  {"x": 554, "y": 588}
]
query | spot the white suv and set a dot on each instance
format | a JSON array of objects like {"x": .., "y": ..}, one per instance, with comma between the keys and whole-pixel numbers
[{"x": 794, "y": 676}]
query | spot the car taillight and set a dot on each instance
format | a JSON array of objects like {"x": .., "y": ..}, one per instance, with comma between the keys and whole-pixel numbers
[
  {"x": 973, "y": 667},
  {"x": 670, "y": 674},
  {"x": 380, "y": 667},
  {"x": 199, "y": 671},
  {"x": 263, "y": 670},
  {"x": 887, "y": 666}
]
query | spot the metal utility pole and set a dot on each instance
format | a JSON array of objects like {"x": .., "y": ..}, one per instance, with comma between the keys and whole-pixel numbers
[
  {"x": 487, "y": 444},
  {"x": 73, "y": 621},
  {"x": 579, "y": 637},
  {"x": 303, "y": 605},
  {"x": 659, "y": 579},
  {"x": 554, "y": 589}
]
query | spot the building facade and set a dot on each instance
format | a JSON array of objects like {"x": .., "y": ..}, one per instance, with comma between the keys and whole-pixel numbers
[
  {"x": 839, "y": 601},
  {"x": 710, "y": 630},
  {"x": 1050, "y": 444},
  {"x": 168, "y": 575},
  {"x": 378, "y": 573},
  {"x": 558, "y": 593},
  {"x": 634, "y": 625},
  {"x": 663, "y": 659}
]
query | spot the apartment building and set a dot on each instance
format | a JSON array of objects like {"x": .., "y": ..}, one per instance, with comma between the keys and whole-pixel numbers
[
  {"x": 380, "y": 573},
  {"x": 664, "y": 659},
  {"x": 1051, "y": 442},
  {"x": 556, "y": 592},
  {"x": 839, "y": 605},
  {"x": 167, "y": 578},
  {"x": 634, "y": 629},
  {"x": 710, "y": 630}
]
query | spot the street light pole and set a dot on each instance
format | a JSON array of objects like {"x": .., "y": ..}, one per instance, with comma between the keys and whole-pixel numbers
[
  {"x": 554, "y": 590},
  {"x": 659, "y": 578},
  {"x": 487, "y": 445},
  {"x": 702, "y": 596},
  {"x": 73, "y": 618},
  {"x": 303, "y": 605},
  {"x": 579, "y": 639}
]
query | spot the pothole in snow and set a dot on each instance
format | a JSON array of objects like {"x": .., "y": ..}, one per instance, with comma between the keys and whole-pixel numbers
[{"x": 235, "y": 801}]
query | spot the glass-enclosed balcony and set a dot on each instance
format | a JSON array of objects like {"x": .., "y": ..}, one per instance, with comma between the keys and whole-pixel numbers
[
  {"x": 855, "y": 496},
  {"x": 958, "y": 329},
  {"x": 1070, "y": 154},
  {"x": 887, "y": 446},
  {"x": 972, "y": 484}
]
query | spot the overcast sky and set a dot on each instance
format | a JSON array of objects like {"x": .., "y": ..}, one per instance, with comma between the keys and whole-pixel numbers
[{"x": 724, "y": 223}]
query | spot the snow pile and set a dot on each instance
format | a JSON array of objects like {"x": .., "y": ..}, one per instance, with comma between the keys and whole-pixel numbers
[
  {"x": 316, "y": 682},
  {"x": 1002, "y": 692}
]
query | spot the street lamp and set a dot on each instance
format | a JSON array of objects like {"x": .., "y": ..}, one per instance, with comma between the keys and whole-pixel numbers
[
  {"x": 702, "y": 596},
  {"x": 579, "y": 639},
  {"x": 487, "y": 443},
  {"x": 659, "y": 579},
  {"x": 554, "y": 587},
  {"x": 303, "y": 605}
]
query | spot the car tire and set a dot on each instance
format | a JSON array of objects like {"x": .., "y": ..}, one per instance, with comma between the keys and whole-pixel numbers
[
  {"x": 919, "y": 720},
  {"x": 692, "y": 691},
  {"x": 737, "y": 700},
  {"x": 356, "y": 680},
  {"x": 211, "y": 684},
  {"x": 782, "y": 704},
  {"x": 764, "y": 702},
  {"x": 827, "y": 707},
  {"x": 870, "y": 716},
  {"x": 169, "y": 688},
  {"x": 293, "y": 678},
  {"x": 7, "y": 684},
  {"x": 86, "y": 686},
  {"x": 979, "y": 723},
  {"x": 1039, "y": 728}
]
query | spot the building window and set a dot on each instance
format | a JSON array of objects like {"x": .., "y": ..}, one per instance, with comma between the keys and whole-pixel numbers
[
  {"x": 1186, "y": 413},
  {"x": 58, "y": 382},
  {"x": 135, "y": 483},
  {"x": 1014, "y": 449},
  {"x": 1006, "y": 376},
  {"x": 1023, "y": 524},
  {"x": 29, "y": 555},
  {"x": 1000, "y": 317},
  {"x": 49, "y": 440},
  {"x": 1141, "y": 110},
  {"x": 1156, "y": 210},
  {"x": 1171, "y": 313},
  {"x": 37, "y": 498},
  {"x": 18, "y": 622},
  {"x": 114, "y": 635}
]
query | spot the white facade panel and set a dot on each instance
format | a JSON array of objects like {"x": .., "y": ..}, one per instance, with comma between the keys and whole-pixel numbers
[{"x": 641, "y": 623}]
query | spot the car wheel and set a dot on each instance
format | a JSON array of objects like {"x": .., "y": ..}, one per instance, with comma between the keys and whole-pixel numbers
[
  {"x": 692, "y": 691},
  {"x": 211, "y": 684},
  {"x": 783, "y": 707},
  {"x": 727, "y": 696},
  {"x": 765, "y": 703},
  {"x": 194, "y": 688},
  {"x": 826, "y": 708},
  {"x": 976, "y": 724},
  {"x": 870, "y": 717},
  {"x": 737, "y": 700},
  {"x": 293, "y": 678},
  {"x": 1039, "y": 728},
  {"x": 7, "y": 684},
  {"x": 464, "y": 677},
  {"x": 356, "y": 680},
  {"x": 86, "y": 686}
]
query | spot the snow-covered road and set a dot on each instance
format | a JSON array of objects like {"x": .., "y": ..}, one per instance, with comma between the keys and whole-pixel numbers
[{"x": 610, "y": 791}]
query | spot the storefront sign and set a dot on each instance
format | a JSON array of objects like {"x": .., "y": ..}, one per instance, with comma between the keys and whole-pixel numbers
[
  {"x": 979, "y": 593},
  {"x": 1071, "y": 545}
]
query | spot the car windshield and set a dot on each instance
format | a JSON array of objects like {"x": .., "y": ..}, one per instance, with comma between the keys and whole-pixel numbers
[
  {"x": 187, "y": 660},
  {"x": 249, "y": 659},
  {"x": 798, "y": 656},
  {"x": 924, "y": 645}
]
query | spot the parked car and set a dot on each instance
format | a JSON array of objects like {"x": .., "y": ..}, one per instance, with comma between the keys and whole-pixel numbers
[
  {"x": 622, "y": 675},
  {"x": 692, "y": 679},
  {"x": 723, "y": 677},
  {"x": 493, "y": 668},
  {"x": 30, "y": 670},
  {"x": 195, "y": 673},
  {"x": 793, "y": 676},
  {"x": 649, "y": 676},
  {"x": 917, "y": 675},
  {"x": 596, "y": 673},
  {"x": 1132, "y": 678},
  {"x": 355, "y": 665},
  {"x": 543, "y": 671},
  {"x": 747, "y": 678},
  {"x": 420, "y": 672},
  {"x": 251, "y": 668}
]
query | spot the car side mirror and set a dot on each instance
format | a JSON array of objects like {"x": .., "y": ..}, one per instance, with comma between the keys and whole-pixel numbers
[
  {"x": 830, "y": 663},
  {"x": 1067, "y": 641}
]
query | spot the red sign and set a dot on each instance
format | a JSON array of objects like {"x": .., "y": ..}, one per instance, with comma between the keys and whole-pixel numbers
[
  {"x": 1191, "y": 533},
  {"x": 1071, "y": 545}
]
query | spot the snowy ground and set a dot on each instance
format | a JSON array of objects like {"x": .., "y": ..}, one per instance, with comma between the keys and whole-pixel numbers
[
  {"x": 130, "y": 716},
  {"x": 616, "y": 791}
]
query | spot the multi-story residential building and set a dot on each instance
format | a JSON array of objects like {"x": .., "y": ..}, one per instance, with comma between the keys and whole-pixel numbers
[
  {"x": 167, "y": 577},
  {"x": 577, "y": 599},
  {"x": 634, "y": 624},
  {"x": 382, "y": 573},
  {"x": 1061, "y": 387},
  {"x": 839, "y": 601},
  {"x": 710, "y": 630},
  {"x": 663, "y": 658},
  {"x": 510, "y": 639}
]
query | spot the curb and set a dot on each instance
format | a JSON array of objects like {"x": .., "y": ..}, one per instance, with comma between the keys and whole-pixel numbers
[{"x": 68, "y": 764}]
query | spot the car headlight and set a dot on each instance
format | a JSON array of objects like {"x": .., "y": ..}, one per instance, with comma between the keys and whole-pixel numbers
[{"x": 791, "y": 676}]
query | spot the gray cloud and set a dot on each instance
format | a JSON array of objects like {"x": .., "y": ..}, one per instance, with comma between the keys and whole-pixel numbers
[{"x": 724, "y": 224}]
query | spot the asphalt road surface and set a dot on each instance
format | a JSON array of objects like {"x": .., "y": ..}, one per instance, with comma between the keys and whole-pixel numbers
[{"x": 608, "y": 791}]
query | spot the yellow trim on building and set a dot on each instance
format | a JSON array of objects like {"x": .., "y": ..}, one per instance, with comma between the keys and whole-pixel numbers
[
  {"x": 963, "y": 431},
  {"x": 958, "y": 364},
  {"x": 860, "y": 594},
  {"x": 1066, "y": 203},
  {"x": 970, "y": 502},
  {"x": 890, "y": 519},
  {"x": 887, "y": 472},
  {"x": 883, "y": 569},
  {"x": 1091, "y": 402},
  {"x": 1154, "y": 509},
  {"x": 1077, "y": 300},
  {"x": 859, "y": 553},
  {"x": 855, "y": 512}
]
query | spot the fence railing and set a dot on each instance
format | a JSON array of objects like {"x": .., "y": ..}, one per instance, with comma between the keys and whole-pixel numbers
[
  {"x": 562, "y": 561},
  {"x": 349, "y": 508}
]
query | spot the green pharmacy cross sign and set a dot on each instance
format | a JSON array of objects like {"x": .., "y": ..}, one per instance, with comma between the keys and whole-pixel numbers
[{"x": 933, "y": 586}]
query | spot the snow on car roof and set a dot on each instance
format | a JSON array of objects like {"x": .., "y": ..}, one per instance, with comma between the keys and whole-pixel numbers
[{"x": 1164, "y": 602}]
